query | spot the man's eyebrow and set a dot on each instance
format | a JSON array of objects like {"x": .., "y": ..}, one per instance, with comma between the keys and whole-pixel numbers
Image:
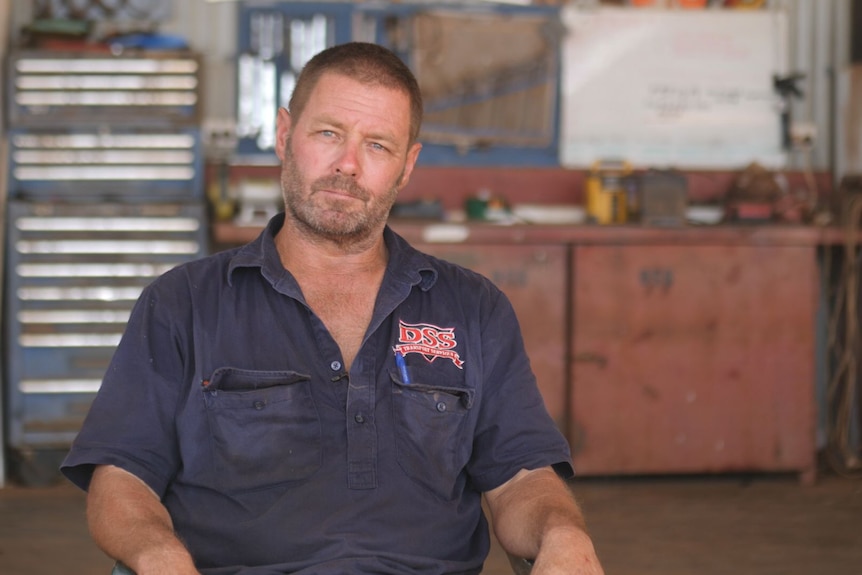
[{"x": 326, "y": 121}]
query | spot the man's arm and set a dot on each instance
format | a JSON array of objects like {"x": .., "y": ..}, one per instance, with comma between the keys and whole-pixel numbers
[
  {"x": 535, "y": 516},
  {"x": 129, "y": 523}
]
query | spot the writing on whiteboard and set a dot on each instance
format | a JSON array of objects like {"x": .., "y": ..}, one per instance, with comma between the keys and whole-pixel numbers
[{"x": 671, "y": 101}]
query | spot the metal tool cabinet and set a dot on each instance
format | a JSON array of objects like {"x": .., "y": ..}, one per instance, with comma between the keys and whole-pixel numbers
[
  {"x": 50, "y": 89},
  {"x": 106, "y": 164},
  {"x": 106, "y": 193},
  {"x": 75, "y": 272}
]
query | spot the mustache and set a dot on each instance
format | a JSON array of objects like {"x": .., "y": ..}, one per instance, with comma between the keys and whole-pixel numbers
[{"x": 342, "y": 184}]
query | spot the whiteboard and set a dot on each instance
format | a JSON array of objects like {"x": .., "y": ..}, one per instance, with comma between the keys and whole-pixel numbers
[{"x": 672, "y": 88}]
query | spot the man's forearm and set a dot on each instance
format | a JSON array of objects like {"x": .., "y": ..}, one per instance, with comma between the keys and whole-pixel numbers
[
  {"x": 535, "y": 516},
  {"x": 129, "y": 523}
]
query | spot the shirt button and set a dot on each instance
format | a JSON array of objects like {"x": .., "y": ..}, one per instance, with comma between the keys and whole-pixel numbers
[
  {"x": 359, "y": 418},
  {"x": 335, "y": 365},
  {"x": 441, "y": 406},
  {"x": 258, "y": 405}
]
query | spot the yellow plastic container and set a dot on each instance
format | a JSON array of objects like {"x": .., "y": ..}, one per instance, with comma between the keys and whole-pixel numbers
[{"x": 607, "y": 191}]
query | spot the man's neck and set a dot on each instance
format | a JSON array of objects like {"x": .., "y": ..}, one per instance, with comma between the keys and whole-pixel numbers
[
  {"x": 339, "y": 285},
  {"x": 310, "y": 256}
]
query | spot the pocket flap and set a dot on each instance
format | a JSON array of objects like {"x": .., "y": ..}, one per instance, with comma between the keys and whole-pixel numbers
[{"x": 234, "y": 379}]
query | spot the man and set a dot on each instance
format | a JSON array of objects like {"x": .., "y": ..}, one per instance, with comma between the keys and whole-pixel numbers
[{"x": 327, "y": 399}]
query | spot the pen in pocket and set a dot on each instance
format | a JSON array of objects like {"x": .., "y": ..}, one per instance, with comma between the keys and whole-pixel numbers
[{"x": 402, "y": 368}]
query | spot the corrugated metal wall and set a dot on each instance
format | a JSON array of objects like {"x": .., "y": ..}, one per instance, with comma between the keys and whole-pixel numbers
[
  {"x": 811, "y": 53},
  {"x": 848, "y": 97},
  {"x": 818, "y": 48},
  {"x": 210, "y": 28}
]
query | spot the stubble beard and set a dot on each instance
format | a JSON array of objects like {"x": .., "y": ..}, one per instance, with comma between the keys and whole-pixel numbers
[{"x": 332, "y": 219}]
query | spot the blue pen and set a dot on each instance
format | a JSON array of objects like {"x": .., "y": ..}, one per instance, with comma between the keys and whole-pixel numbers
[{"x": 402, "y": 367}]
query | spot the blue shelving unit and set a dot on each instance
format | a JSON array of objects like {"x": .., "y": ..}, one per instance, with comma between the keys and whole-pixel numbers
[
  {"x": 105, "y": 187},
  {"x": 503, "y": 112}
]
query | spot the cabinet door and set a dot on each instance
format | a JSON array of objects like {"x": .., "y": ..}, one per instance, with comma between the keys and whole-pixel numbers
[
  {"x": 693, "y": 358},
  {"x": 534, "y": 280}
]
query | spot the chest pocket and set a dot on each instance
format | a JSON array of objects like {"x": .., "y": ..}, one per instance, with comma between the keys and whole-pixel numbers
[
  {"x": 264, "y": 426},
  {"x": 431, "y": 441}
]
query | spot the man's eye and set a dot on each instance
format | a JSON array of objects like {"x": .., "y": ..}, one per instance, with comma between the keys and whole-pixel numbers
[
  {"x": 377, "y": 146},
  {"x": 327, "y": 133}
]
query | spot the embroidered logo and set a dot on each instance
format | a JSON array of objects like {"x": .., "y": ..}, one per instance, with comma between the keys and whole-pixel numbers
[{"x": 428, "y": 340}]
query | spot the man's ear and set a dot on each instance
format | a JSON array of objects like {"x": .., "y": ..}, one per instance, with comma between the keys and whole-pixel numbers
[
  {"x": 412, "y": 156},
  {"x": 282, "y": 131}
]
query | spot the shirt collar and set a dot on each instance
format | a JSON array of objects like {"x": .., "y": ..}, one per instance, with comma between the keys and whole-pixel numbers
[
  {"x": 260, "y": 253},
  {"x": 405, "y": 262}
]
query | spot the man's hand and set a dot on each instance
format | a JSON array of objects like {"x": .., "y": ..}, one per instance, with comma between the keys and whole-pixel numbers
[{"x": 534, "y": 515}]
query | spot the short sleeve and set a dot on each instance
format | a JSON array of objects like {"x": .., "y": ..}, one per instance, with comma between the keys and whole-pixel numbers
[
  {"x": 514, "y": 429},
  {"x": 130, "y": 423}
]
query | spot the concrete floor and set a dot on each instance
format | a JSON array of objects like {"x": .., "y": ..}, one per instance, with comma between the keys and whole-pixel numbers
[{"x": 758, "y": 525}]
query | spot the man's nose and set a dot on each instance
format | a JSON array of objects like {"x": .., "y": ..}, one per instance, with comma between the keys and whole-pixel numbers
[{"x": 347, "y": 162}]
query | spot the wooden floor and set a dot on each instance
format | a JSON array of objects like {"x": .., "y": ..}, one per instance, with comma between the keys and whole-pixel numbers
[{"x": 757, "y": 525}]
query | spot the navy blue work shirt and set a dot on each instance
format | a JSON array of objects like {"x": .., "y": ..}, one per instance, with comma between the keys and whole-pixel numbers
[{"x": 228, "y": 397}]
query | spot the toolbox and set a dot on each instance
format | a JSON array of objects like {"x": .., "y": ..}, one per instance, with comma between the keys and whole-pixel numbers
[
  {"x": 663, "y": 198},
  {"x": 105, "y": 188}
]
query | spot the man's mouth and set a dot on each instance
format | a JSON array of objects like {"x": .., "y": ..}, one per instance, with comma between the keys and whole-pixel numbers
[
  {"x": 331, "y": 188},
  {"x": 339, "y": 193}
]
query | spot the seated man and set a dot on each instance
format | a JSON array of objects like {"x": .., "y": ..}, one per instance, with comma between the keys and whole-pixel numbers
[{"x": 327, "y": 399}]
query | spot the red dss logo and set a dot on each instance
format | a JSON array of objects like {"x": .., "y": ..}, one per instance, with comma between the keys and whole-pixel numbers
[{"x": 429, "y": 340}]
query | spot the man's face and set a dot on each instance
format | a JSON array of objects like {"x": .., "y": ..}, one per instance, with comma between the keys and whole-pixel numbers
[{"x": 345, "y": 158}]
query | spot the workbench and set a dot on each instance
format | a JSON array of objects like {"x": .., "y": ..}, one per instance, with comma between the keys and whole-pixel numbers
[{"x": 658, "y": 350}]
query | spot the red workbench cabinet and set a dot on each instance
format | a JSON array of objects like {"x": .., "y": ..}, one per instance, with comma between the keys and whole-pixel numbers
[{"x": 693, "y": 358}]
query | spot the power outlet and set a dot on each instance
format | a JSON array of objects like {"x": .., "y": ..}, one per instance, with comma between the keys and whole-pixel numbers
[
  {"x": 803, "y": 135},
  {"x": 219, "y": 137}
]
